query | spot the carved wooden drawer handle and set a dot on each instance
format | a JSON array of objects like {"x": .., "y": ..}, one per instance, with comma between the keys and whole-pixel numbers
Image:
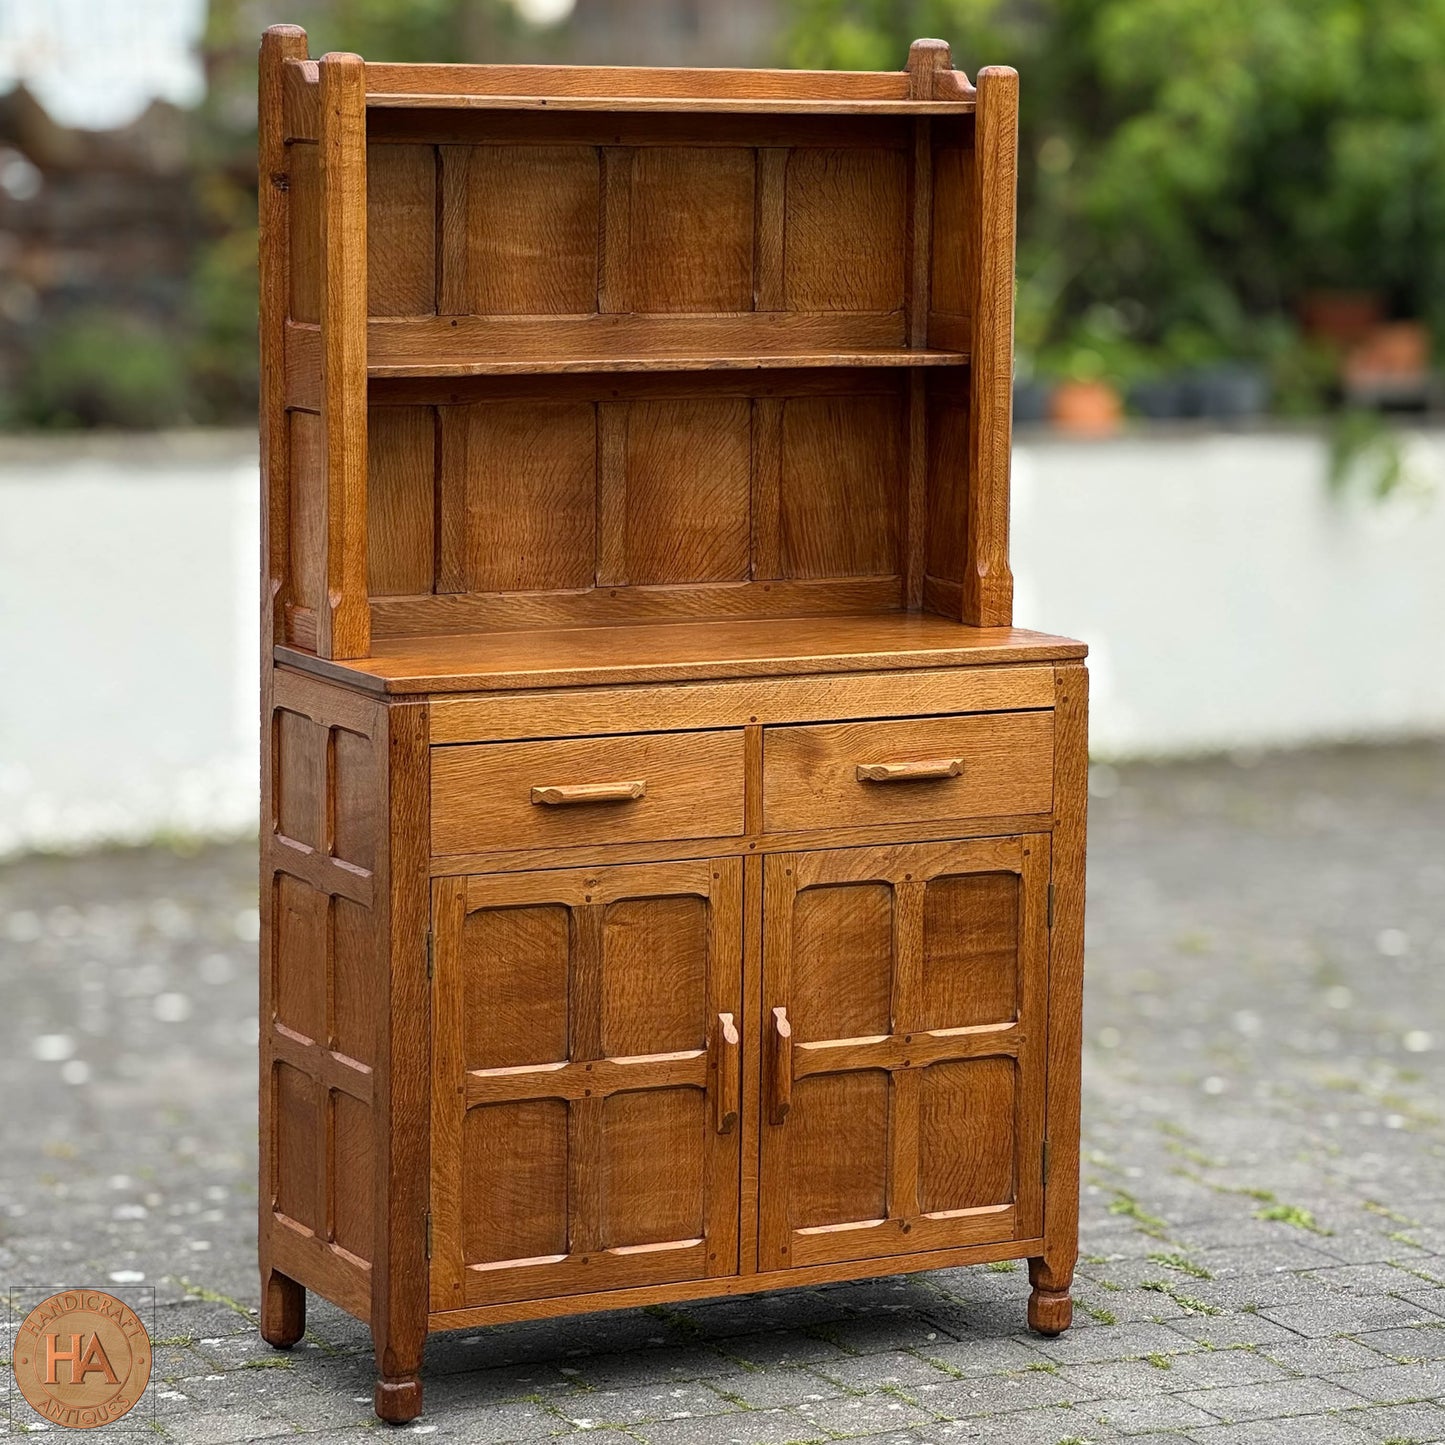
[
  {"x": 558, "y": 793},
  {"x": 729, "y": 1074},
  {"x": 909, "y": 772},
  {"x": 780, "y": 1069}
]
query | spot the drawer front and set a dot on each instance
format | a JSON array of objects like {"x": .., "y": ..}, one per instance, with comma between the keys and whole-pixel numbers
[
  {"x": 554, "y": 794},
  {"x": 840, "y": 775}
]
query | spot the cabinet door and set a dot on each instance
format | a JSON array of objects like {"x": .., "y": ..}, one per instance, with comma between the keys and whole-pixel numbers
[
  {"x": 585, "y": 1080},
  {"x": 904, "y": 1012}
]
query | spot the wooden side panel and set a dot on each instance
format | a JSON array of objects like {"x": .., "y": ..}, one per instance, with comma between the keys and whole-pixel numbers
[
  {"x": 323, "y": 1001},
  {"x": 841, "y": 489},
  {"x": 307, "y": 507},
  {"x": 401, "y": 208},
  {"x": 947, "y": 485},
  {"x": 577, "y": 1131},
  {"x": 845, "y": 226},
  {"x": 401, "y": 499},
  {"x": 903, "y": 1108},
  {"x": 519, "y": 229},
  {"x": 303, "y": 189}
]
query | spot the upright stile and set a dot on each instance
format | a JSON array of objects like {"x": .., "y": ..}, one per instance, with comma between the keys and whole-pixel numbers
[{"x": 673, "y": 857}]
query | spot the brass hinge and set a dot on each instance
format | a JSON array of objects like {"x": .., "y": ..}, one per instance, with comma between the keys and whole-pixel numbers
[
  {"x": 1051, "y": 905},
  {"x": 1045, "y": 1170},
  {"x": 428, "y": 1234},
  {"x": 431, "y": 963}
]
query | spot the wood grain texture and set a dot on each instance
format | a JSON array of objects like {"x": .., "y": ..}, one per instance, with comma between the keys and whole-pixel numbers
[
  {"x": 1052, "y": 1272},
  {"x": 519, "y": 229},
  {"x": 987, "y": 580},
  {"x": 481, "y": 795},
  {"x": 683, "y": 651},
  {"x": 810, "y": 777},
  {"x": 895, "y": 1132},
  {"x": 401, "y": 217},
  {"x": 401, "y": 500},
  {"x": 344, "y": 617}
]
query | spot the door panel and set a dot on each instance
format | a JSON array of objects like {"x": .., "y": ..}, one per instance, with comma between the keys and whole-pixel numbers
[
  {"x": 904, "y": 1006},
  {"x": 585, "y": 1033}
]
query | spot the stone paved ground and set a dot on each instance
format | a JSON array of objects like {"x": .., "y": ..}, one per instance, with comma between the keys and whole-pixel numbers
[{"x": 1264, "y": 1217}]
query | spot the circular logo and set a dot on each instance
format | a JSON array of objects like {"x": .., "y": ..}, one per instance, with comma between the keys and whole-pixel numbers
[{"x": 82, "y": 1358}]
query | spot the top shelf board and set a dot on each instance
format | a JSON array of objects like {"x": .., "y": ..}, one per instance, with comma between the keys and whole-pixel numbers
[{"x": 656, "y": 104}]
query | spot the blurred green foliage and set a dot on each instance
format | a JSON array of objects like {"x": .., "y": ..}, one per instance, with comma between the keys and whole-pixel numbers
[{"x": 1190, "y": 169}]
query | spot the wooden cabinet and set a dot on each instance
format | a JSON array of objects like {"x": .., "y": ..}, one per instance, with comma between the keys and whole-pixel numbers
[{"x": 672, "y": 854}]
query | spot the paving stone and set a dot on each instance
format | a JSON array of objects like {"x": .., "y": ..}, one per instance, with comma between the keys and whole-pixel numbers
[
  {"x": 1342, "y": 1317},
  {"x": 870, "y": 1414},
  {"x": 1342, "y": 1429},
  {"x": 1156, "y": 1412},
  {"x": 1395, "y": 1384},
  {"x": 747, "y": 1427},
  {"x": 999, "y": 1394},
  {"x": 1417, "y": 1342},
  {"x": 1325, "y": 1356},
  {"x": 1421, "y": 1424},
  {"x": 1233, "y": 1403}
]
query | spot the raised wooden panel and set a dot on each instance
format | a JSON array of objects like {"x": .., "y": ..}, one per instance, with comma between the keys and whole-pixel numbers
[
  {"x": 514, "y": 963},
  {"x": 515, "y": 1156},
  {"x": 690, "y": 224},
  {"x": 299, "y": 777},
  {"x": 839, "y": 1149},
  {"x": 842, "y": 979},
  {"x": 355, "y": 798},
  {"x": 654, "y": 1166},
  {"x": 892, "y": 1120},
  {"x": 300, "y": 946},
  {"x": 971, "y": 766},
  {"x": 966, "y": 1140},
  {"x": 304, "y": 193},
  {"x": 353, "y": 1190},
  {"x": 654, "y": 957},
  {"x": 401, "y": 219},
  {"x": 297, "y": 1144},
  {"x": 306, "y": 503},
  {"x": 356, "y": 1005},
  {"x": 841, "y": 486},
  {"x": 687, "y": 491},
  {"x": 970, "y": 972},
  {"x": 519, "y": 484},
  {"x": 483, "y": 794},
  {"x": 400, "y": 500},
  {"x": 519, "y": 229},
  {"x": 575, "y": 1132},
  {"x": 846, "y": 219}
]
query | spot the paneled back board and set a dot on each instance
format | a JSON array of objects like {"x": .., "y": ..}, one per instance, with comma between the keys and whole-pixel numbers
[{"x": 672, "y": 871}]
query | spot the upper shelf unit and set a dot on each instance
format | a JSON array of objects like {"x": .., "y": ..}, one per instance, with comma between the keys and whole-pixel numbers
[{"x": 548, "y": 346}]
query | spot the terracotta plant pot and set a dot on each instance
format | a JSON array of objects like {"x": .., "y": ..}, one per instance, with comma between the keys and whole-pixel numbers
[
  {"x": 1341, "y": 317},
  {"x": 1086, "y": 408}
]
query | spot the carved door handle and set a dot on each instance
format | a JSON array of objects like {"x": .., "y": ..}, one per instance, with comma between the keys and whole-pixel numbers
[
  {"x": 780, "y": 1068},
  {"x": 728, "y": 1084}
]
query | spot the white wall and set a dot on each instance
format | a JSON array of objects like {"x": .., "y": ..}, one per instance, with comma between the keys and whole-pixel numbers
[
  {"x": 128, "y": 638},
  {"x": 1227, "y": 600}
]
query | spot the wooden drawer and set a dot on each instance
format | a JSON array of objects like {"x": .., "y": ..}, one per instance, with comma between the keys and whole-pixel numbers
[
  {"x": 546, "y": 794},
  {"x": 837, "y": 775}
]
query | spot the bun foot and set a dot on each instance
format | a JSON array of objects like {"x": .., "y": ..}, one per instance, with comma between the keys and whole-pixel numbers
[
  {"x": 398, "y": 1401},
  {"x": 1051, "y": 1312},
  {"x": 283, "y": 1310}
]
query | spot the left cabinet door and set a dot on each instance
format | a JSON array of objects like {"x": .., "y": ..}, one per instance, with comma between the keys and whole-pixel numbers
[{"x": 586, "y": 1067}]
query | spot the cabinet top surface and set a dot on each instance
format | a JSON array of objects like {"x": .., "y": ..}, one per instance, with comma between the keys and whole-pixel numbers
[{"x": 681, "y": 651}]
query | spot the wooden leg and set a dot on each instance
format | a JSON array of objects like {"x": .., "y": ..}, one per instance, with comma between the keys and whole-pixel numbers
[
  {"x": 398, "y": 1371},
  {"x": 1051, "y": 1306},
  {"x": 283, "y": 1309}
]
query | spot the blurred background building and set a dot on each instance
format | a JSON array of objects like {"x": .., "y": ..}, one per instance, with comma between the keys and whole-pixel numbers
[{"x": 1231, "y": 272}]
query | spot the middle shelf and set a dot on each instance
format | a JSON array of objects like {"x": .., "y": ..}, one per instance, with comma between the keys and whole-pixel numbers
[{"x": 442, "y": 346}]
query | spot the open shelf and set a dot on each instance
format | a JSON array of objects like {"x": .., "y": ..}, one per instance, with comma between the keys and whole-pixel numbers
[
  {"x": 662, "y": 104},
  {"x": 681, "y": 651}
]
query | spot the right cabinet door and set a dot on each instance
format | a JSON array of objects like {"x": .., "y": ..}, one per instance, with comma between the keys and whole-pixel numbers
[{"x": 904, "y": 1013}]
